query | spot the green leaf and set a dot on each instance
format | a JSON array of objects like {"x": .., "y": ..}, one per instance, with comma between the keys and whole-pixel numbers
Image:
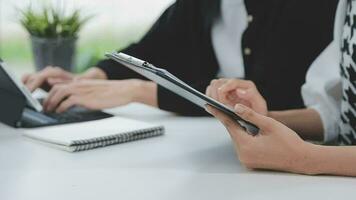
[{"x": 49, "y": 23}]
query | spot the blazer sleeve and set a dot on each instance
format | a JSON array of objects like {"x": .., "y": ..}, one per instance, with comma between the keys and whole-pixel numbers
[
  {"x": 149, "y": 47},
  {"x": 169, "y": 44}
]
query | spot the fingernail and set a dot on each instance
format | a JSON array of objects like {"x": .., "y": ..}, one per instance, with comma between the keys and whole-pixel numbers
[
  {"x": 207, "y": 109},
  {"x": 239, "y": 108},
  {"x": 241, "y": 91}
]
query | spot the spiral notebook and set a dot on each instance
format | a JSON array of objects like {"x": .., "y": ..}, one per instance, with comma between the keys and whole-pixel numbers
[{"x": 94, "y": 134}]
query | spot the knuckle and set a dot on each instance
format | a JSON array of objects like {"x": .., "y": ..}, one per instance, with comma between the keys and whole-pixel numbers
[
  {"x": 269, "y": 124},
  {"x": 231, "y": 81},
  {"x": 249, "y": 114},
  {"x": 48, "y": 68},
  {"x": 57, "y": 69},
  {"x": 222, "y": 79},
  {"x": 213, "y": 82},
  {"x": 221, "y": 91},
  {"x": 250, "y": 83}
]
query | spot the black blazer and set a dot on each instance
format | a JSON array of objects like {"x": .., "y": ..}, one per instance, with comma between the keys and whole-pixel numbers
[{"x": 285, "y": 37}]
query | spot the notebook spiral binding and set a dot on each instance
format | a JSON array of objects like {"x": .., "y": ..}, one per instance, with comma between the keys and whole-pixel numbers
[{"x": 82, "y": 145}]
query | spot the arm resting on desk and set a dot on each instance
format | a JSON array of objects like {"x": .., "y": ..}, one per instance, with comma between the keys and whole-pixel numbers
[
  {"x": 277, "y": 147},
  {"x": 335, "y": 160}
]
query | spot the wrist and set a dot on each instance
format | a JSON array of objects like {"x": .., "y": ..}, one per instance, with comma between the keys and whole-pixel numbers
[
  {"x": 145, "y": 92},
  {"x": 310, "y": 159}
]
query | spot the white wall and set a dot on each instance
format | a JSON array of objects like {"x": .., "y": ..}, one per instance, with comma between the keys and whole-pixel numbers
[
  {"x": 117, "y": 22},
  {"x": 115, "y": 15}
]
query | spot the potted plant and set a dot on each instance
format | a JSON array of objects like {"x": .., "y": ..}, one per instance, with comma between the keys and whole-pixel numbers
[{"x": 53, "y": 36}]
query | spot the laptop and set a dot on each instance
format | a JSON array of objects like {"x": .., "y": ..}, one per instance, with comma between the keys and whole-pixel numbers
[{"x": 31, "y": 111}]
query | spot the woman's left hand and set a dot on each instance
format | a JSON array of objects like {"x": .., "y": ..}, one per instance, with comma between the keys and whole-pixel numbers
[
  {"x": 276, "y": 147},
  {"x": 236, "y": 91}
]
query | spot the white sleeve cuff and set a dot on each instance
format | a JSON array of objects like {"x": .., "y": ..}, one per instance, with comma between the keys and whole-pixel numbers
[
  {"x": 322, "y": 90},
  {"x": 329, "y": 121}
]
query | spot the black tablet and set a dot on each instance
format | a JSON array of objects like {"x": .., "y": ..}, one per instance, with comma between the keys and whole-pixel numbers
[{"x": 177, "y": 86}]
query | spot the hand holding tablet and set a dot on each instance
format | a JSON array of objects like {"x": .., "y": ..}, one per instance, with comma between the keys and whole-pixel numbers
[{"x": 172, "y": 83}]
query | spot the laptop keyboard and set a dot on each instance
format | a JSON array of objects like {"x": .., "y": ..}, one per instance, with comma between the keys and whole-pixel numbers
[
  {"x": 75, "y": 116},
  {"x": 33, "y": 119}
]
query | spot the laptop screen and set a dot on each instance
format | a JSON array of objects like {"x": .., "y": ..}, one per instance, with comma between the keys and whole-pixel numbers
[
  {"x": 9, "y": 83},
  {"x": 6, "y": 83}
]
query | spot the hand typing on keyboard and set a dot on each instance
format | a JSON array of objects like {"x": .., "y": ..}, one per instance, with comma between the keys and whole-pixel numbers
[{"x": 99, "y": 94}]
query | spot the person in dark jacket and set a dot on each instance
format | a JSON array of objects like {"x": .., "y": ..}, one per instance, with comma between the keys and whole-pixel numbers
[{"x": 272, "y": 43}]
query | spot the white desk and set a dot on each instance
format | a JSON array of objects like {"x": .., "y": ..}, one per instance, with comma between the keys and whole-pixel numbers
[{"x": 194, "y": 160}]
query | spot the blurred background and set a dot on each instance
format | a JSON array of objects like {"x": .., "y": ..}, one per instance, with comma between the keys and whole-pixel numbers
[{"x": 115, "y": 24}]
